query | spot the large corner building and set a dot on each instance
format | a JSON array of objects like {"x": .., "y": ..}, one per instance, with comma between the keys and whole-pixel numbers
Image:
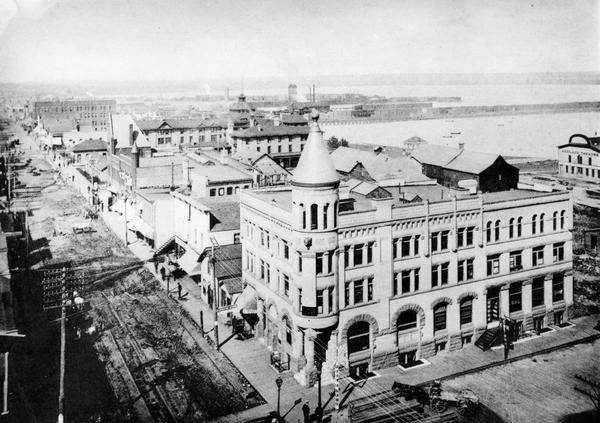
[{"x": 336, "y": 277}]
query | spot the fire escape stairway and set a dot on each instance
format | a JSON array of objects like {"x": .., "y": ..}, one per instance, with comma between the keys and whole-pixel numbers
[{"x": 487, "y": 338}]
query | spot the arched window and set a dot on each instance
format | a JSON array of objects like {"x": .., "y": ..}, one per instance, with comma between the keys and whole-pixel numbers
[
  {"x": 488, "y": 232},
  {"x": 288, "y": 330},
  {"x": 466, "y": 311},
  {"x": 406, "y": 321},
  {"x": 519, "y": 226},
  {"x": 534, "y": 224},
  {"x": 542, "y": 216},
  {"x": 335, "y": 213},
  {"x": 439, "y": 317},
  {"x": 325, "y": 209},
  {"x": 359, "y": 337},
  {"x": 555, "y": 221},
  {"x": 511, "y": 228},
  {"x": 303, "y": 211},
  {"x": 562, "y": 219},
  {"x": 497, "y": 231},
  {"x": 313, "y": 216}
]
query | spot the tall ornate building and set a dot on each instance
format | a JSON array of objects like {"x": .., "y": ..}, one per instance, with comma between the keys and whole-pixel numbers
[{"x": 340, "y": 278}]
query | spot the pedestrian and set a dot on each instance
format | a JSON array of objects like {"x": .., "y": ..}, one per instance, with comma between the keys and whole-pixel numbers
[
  {"x": 179, "y": 290},
  {"x": 306, "y": 412},
  {"x": 162, "y": 273}
]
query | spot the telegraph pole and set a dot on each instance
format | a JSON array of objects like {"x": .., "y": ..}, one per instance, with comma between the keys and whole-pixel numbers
[
  {"x": 61, "y": 392},
  {"x": 215, "y": 298}
]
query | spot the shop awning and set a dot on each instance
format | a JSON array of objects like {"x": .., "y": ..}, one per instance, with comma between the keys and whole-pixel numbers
[
  {"x": 142, "y": 227},
  {"x": 246, "y": 302},
  {"x": 118, "y": 207},
  {"x": 189, "y": 262}
]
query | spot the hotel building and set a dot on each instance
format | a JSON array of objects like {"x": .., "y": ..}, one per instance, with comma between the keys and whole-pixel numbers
[{"x": 336, "y": 277}]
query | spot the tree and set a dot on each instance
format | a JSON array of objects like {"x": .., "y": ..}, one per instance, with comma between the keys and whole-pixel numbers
[{"x": 334, "y": 143}]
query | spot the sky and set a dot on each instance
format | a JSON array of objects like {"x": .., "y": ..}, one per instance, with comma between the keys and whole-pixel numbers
[{"x": 176, "y": 40}]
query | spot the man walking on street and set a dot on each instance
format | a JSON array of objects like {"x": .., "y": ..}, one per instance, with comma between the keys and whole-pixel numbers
[{"x": 306, "y": 412}]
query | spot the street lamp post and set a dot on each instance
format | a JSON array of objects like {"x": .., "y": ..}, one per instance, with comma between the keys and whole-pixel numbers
[
  {"x": 319, "y": 410},
  {"x": 278, "y": 382}
]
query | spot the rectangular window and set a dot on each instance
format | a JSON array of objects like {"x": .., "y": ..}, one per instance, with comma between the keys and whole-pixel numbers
[
  {"x": 286, "y": 250},
  {"x": 515, "y": 261},
  {"x": 319, "y": 264},
  {"x": 370, "y": 252},
  {"x": 286, "y": 285},
  {"x": 444, "y": 240},
  {"x": 558, "y": 252},
  {"x": 461, "y": 237},
  {"x": 514, "y": 297},
  {"x": 358, "y": 254},
  {"x": 330, "y": 262},
  {"x": 320, "y": 302},
  {"x": 405, "y": 250},
  {"x": 395, "y": 284},
  {"x": 370, "y": 289},
  {"x": 434, "y": 241},
  {"x": 434, "y": 275},
  {"x": 537, "y": 292},
  {"x": 346, "y": 256},
  {"x": 444, "y": 274},
  {"x": 405, "y": 281},
  {"x": 465, "y": 270},
  {"x": 558, "y": 293},
  {"x": 395, "y": 247},
  {"x": 470, "y": 231},
  {"x": 493, "y": 265},
  {"x": 262, "y": 269},
  {"x": 537, "y": 256},
  {"x": 416, "y": 244},
  {"x": 347, "y": 294},
  {"x": 358, "y": 292},
  {"x": 299, "y": 262},
  {"x": 416, "y": 274}
]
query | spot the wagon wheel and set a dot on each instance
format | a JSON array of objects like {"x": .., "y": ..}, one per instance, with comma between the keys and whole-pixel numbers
[{"x": 438, "y": 405}]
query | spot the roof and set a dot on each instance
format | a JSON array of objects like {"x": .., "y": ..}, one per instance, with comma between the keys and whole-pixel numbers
[
  {"x": 270, "y": 131},
  {"x": 228, "y": 266},
  {"x": 315, "y": 167},
  {"x": 472, "y": 162},
  {"x": 346, "y": 158},
  {"x": 215, "y": 171},
  {"x": 595, "y": 141},
  {"x": 267, "y": 166},
  {"x": 120, "y": 128},
  {"x": 225, "y": 213},
  {"x": 240, "y": 105},
  {"x": 414, "y": 141},
  {"x": 90, "y": 145},
  {"x": 153, "y": 124},
  {"x": 365, "y": 188},
  {"x": 454, "y": 158},
  {"x": 437, "y": 155},
  {"x": 293, "y": 119}
]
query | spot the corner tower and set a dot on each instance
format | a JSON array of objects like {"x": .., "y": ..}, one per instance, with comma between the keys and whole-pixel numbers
[{"x": 315, "y": 198}]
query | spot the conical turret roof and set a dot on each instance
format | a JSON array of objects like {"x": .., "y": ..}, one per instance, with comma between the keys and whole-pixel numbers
[{"x": 315, "y": 167}]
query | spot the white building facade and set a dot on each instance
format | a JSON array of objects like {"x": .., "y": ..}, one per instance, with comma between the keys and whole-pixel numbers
[
  {"x": 383, "y": 284},
  {"x": 579, "y": 160}
]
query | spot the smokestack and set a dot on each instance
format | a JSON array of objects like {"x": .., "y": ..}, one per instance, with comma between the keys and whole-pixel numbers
[
  {"x": 313, "y": 93},
  {"x": 131, "y": 134},
  {"x": 461, "y": 145}
]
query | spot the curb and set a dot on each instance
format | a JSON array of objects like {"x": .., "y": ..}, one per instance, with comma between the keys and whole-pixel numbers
[{"x": 478, "y": 369}]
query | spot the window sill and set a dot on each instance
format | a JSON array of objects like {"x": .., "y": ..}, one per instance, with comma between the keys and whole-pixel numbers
[{"x": 350, "y": 307}]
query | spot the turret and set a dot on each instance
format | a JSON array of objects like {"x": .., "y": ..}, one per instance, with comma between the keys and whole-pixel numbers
[{"x": 315, "y": 198}]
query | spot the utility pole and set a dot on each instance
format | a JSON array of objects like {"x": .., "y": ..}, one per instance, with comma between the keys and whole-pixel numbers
[
  {"x": 215, "y": 297},
  {"x": 5, "y": 406},
  {"x": 336, "y": 371},
  {"x": 125, "y": 214},
  {"x": 61, "y": 392}
]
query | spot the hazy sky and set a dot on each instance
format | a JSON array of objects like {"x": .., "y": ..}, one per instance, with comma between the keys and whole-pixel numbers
[{"x": 83, "y": 40}]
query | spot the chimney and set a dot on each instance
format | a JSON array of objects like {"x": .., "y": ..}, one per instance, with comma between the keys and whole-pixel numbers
[
  {"x": 461, "y": 145},
  {"x": 186, "y": 172},
  {"x": 131, "y": 134}
]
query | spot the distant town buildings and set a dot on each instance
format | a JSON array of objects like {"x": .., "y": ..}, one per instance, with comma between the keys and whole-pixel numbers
[
  {"x": 292, "y": 93},
  {"x": 167, "y": 133},
  {"x": 83, "y": 115},
  {"x": 577, "y": 159},
  {"x": 360, "y": 279}
]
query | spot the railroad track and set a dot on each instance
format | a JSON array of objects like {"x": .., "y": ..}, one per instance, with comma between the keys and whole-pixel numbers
[
  {"x": 154, "y": 396},
  {"x": 197, "y": 357}
]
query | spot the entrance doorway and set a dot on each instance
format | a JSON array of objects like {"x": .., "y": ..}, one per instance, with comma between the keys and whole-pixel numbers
[
  {"x": 493, "y": 304},
  {"x": 538, "y": 324},
  {"x": 408, "y": 359}
]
